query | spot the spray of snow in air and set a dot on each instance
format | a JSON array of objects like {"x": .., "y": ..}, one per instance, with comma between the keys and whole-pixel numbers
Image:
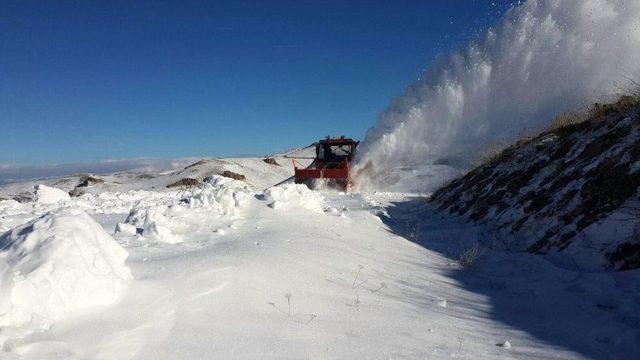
[{"x": 542, "y": 58}]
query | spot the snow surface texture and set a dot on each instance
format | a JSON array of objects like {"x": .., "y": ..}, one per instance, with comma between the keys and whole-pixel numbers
[
  {"x": 57, "y": 264},
  {"x": 291, "y": 196},
  {"x": 293, "y": 283},
  {"x": 375, "y": 275},
  {"x": 223, "y": 195},
  {"x": 543, "y": 57}
]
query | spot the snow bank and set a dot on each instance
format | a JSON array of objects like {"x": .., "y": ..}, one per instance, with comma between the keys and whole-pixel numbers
[
  {"x": 11, "y": 207},
  {"x": 56, "y": 264},
  {"x": 50, "y": 195},
  {"x": 543, "y": 57},
  {"x": 123, "y": 202},
  {"x": 223, "y": 195},
  {"x": 289, "y": 196},
  {"x": 158, "y": 220}
]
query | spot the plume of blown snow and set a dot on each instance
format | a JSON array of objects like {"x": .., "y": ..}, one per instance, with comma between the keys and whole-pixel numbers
[{"x": 543, "y": 57}]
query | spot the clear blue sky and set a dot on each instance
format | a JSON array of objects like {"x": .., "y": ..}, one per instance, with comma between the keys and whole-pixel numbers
[{"x": 82, "y": 81}]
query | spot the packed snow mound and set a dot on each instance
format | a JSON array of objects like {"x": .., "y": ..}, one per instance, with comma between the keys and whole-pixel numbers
[
  {"x": 57, "y": 264},
  {"x": 288, "y": 196},
  {"x": 126, "y": 229},
  {"x": 123, "y": 202},
  {"x": 157, "y": 227},
  {"x": 543, "y": 57},
  {"x": 153, "y": 224},
  {"x": 157, "y": 221},
  {"x": 50, "y": 195},
  {"x": 223, "y": 195}
]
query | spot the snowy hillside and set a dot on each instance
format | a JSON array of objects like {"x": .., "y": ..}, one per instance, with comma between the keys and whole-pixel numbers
[
  {"x": 259, "y": 173},
  {"x": 570, "y": 193}
]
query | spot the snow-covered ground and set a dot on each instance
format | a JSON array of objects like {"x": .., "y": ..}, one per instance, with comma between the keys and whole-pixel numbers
[{"x": 229, "y": 271}]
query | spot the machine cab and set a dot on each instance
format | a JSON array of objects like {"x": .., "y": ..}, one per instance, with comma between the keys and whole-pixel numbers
[{"x": 335, "y": 149}]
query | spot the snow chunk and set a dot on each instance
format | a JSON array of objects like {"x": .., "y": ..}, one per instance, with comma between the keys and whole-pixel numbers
[
  {"x": 154, "y": 224},
  {"x": 156, "y": 227},
  {"x": 50, "y": 195},
  {"x": 56, "y": 264},
  {"x": 287, "y": 196},
  {"x": 126, "y": 229},
  {"x": 223, "y": 195}
]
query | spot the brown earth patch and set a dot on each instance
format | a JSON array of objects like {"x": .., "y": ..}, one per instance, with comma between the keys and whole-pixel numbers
[
  {"x": 184, "y": 182},
  {"x": 271, "y": 161},
  {"x": 232, "y": 175}
]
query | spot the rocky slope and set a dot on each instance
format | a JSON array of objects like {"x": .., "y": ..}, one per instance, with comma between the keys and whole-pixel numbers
[{"x": 570, "y": 193}]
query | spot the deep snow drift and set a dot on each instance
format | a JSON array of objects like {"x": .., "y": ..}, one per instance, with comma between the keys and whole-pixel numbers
[
  {"x": 57, "y": 264},
  {"x": 50, "y": 195},
  {"x": 543, "y": 57}
]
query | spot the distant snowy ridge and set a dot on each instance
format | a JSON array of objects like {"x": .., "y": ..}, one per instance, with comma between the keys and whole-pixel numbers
[
  {"x": 542, "y": 58},
  {"x": 258, "y": 174},
  {"x": 19, "y": 173}
]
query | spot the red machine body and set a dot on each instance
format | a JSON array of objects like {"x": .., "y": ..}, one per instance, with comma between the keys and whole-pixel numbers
[{"x": 332, "y": 164}]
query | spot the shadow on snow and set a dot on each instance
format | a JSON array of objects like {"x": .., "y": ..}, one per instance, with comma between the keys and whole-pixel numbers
[{"x": 596, "y": 315}]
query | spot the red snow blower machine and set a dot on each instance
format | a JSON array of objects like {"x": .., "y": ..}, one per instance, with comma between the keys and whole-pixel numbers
[{"x": 332, "y": 165}]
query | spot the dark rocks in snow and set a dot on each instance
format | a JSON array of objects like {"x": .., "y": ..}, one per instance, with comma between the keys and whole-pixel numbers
[
  {"x": 553, "y": 187},
  {"x": 205, "y": 162},
  {"x": 538, "y": 203},
  {"x": 271, "y": 161},
  {"x": 184, "y": 182},
  {"x": 76, "y": 192},
  {"x": 24, "y": 197},
  {"x": 232, "y": 175},
  {"x": 197, "y": 163},
  {"x": 626, "y": 256},
  {"x": 86, "y": 182},
  {"x": 90, "y": 180}
]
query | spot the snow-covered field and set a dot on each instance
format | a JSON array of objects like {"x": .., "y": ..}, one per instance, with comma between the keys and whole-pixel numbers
[{"x": 228, "y": 271}]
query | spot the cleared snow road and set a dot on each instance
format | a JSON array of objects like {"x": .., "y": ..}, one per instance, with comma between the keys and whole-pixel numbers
[{"x": 367, "y": 276}]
